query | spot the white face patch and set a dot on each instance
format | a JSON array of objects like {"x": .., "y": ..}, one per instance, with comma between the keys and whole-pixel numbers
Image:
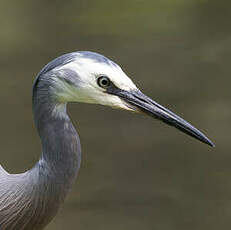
[
  {"x": 88, "y": 70},
  {"x": 86, "y": 88}
]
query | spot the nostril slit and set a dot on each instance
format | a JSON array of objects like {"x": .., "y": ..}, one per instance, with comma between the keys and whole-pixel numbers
[{"x": 141, "y": 99}]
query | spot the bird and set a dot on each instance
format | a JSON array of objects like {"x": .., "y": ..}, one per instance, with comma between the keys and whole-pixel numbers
[{"x": 30, "y": 200}]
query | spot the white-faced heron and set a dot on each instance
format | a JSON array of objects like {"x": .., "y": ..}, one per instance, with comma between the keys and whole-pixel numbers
[{"x": 30, "y": 200}]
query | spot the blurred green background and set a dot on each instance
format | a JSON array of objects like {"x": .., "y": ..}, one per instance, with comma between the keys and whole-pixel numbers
[{"x": 136, "y": 172}]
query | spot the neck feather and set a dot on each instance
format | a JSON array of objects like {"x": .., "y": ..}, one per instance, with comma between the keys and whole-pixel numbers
[
  {"x": 60, "y": 141},
  {"x": 61, "y": 153},
  {"x": 40, "y": 191}
]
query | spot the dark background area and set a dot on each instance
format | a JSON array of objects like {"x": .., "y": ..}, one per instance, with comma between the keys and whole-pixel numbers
[{"x": 136, "y": 172}]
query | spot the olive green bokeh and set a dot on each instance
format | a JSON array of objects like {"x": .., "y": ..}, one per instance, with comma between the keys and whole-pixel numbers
[{"x": 136, "y": 173}]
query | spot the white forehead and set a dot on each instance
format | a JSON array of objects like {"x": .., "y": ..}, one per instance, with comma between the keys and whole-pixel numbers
[{"x": 91, "y": 65}]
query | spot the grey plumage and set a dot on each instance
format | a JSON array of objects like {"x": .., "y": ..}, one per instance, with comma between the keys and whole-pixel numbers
[{"x": 29, "y": 201}]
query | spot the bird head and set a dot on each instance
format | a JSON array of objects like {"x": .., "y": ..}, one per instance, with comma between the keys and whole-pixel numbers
[{"x": 92, "y": 78}]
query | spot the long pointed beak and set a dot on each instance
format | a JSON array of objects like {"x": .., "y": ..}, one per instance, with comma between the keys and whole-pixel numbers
[{"x": 137, "y": 101}]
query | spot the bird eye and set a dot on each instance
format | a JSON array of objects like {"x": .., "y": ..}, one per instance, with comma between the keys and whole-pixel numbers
[{"x": 104, "y": 82}]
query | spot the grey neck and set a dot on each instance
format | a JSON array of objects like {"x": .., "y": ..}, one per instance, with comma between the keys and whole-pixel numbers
[
  {"x": 30, "y": 200},
  {"x": 61, "y": 152}
]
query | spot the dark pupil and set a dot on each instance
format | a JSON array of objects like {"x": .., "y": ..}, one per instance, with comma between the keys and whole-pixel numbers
[{"x": 104, "y": 82}]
